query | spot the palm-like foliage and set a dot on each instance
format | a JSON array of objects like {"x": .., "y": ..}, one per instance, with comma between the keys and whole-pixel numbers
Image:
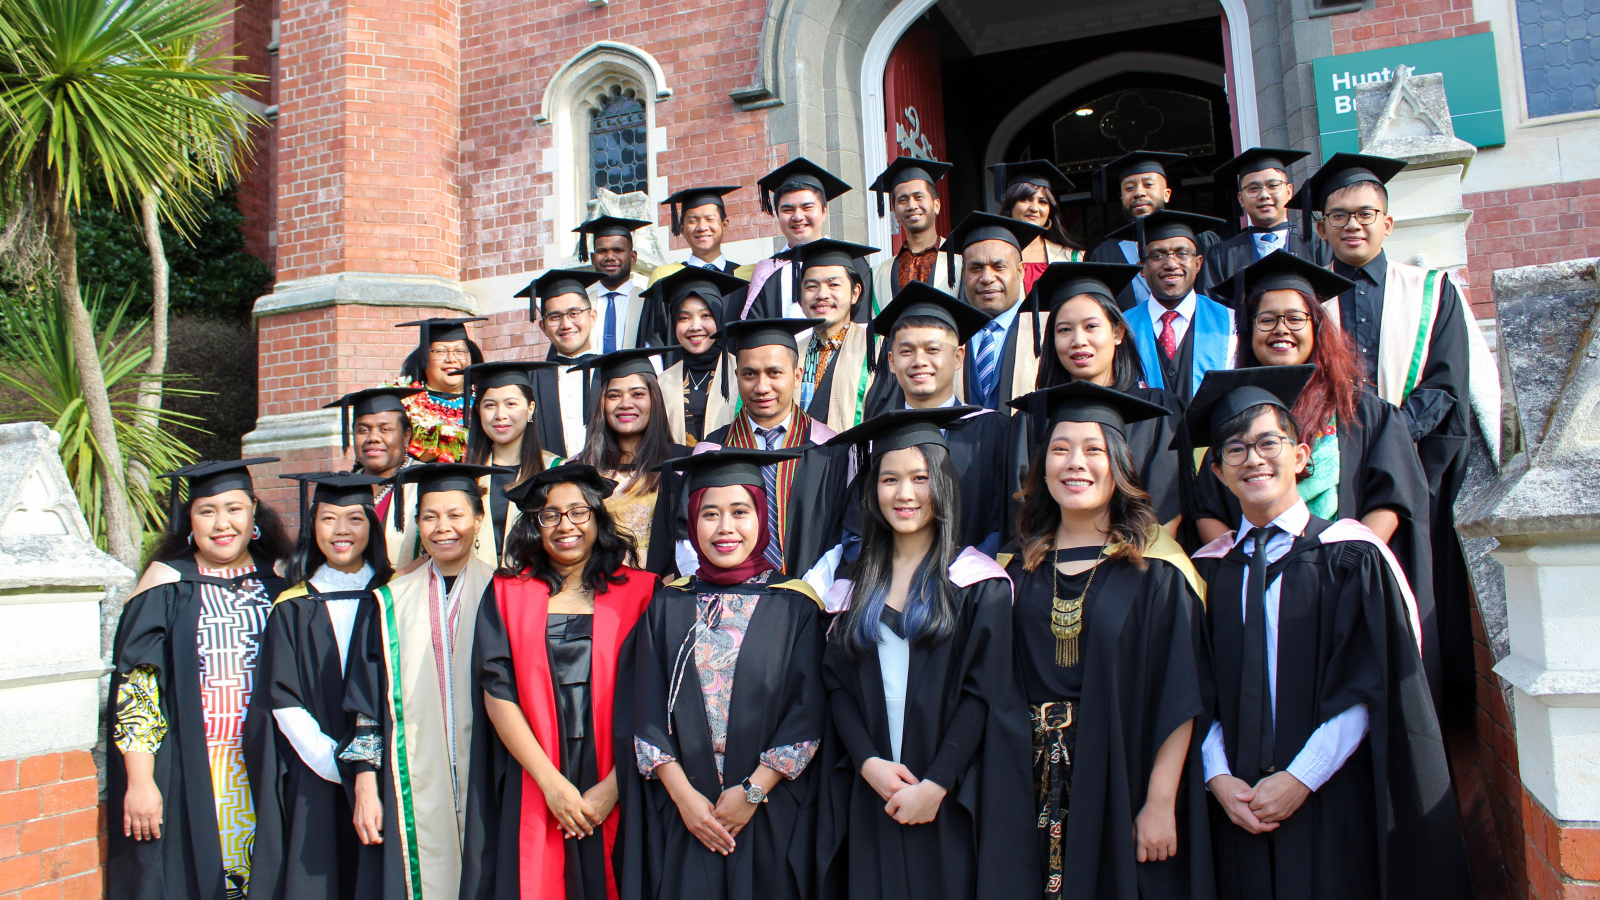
[{"x": 46, "y": 373}]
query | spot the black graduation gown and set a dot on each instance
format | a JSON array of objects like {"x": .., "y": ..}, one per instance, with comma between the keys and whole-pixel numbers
[
  {"x": 1443, "y": 385},
  {"x": 967, "y": 730},
  {"x": 778, "y": 699},
  {"x": 1145, "y": 670},
  {"x": 1239, "y": 251},
  {"x": 769, "y": 300},
  {"x": 160, "y": 627},
  {"x": 1386, "y": 824},
  {"x": 547, "y": 403},
  {"x": 1378, "y": 469},
  {"x": 305, "y": 845},
  {"x": 1110, "y": 251}
]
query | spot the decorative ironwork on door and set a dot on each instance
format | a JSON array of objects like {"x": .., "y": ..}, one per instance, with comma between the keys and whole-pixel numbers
[{"x": 618, "y": 151}]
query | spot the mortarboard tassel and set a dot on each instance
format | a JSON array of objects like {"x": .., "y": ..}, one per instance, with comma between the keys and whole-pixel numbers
[
  {"x": 583, "y": 247},
  {"x": 344, "y": 423},
  {"x": 880, "y": 203},
  {"x": 766, "y": 202},
  {"x": 1000, "y": 187},
  {"x": 1138, "y": 237},
  {"x": 1038, "y": 335},
  {"x": 398, "y": 501},
  {"x": 305, "y": 509},
  {"x": 950, "y": 265},
  {"x": 677, "y": 219}
]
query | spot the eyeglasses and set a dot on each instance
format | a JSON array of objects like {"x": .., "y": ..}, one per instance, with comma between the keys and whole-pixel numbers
[
  {"x": 449, "y": 353},
  {"x": 1256, "y": 188},
  {"x": 574, "y": 315},
  {"x": 1268, "y": 322},
  {"x": 1340, "y": 218},
  {"x": 550, "y": 518},
  {"x": 1268, "y": 446},
  {"x": 1160, "y": 256}
]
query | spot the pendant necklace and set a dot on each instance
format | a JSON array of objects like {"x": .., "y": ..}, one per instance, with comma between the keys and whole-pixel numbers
[{"x": 1066, "y": 614}]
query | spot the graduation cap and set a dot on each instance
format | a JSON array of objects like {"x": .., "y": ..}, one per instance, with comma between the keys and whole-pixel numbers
[
  {"x": 1139, "y": 162},
  {"x": 1228, "y": 175},
  {"x": 898, "y": 429},
  {"x": 1339, "y": 172},
  {"x": 828, "y": 252},
  {"x": 435, "y": 331},
  {"x": 334, "y": 489},
  {"x": 727, "y": 467},
  {"x": 747, "y": 334},
  {"x": 907, "y": 168},
  {"x": 1037, "y": 172},
  {"x": 1225, "y": 393},
  {"x": 566, "y": 473},
  {"x": 1085, "y": 401},
  {"x": 713, "y": 286},
  {"x": 1163, "y": 224},
  {"x": 982, "y": 226},
  {"x": 556, "y": 283},
  {"x": 356, "y": 404},
  {"x": 620, "y": 363},
  {"x": 433, "y": 478},
  {"x": 693, "y": 198},
  {"x": 490, "y": 375},
  {"x": 1279, "y": 270},
  {"x": 920, "y": 299},
  {"x": 210, "y": 478},
  {"x": 798, "y": 173},
  {"x": 605, "y": 226},
  {"x": 1064, "y": 280}
]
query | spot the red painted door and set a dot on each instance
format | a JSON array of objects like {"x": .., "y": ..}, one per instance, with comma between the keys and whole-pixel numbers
[{"x": 914, "y": 109}]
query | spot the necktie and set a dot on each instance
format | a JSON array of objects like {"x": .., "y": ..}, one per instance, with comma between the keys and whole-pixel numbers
[
  {"x": 988, "y": 361},
  {"x": 769, "y": 478},
  {"x": 1255, "y": 694},
  {"x": 609, "y": 341},
  {"x": 1169, "y": 335}
]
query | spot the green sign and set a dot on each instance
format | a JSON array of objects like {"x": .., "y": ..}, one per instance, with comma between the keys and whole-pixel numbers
[{"x": 1471, "y": 83}]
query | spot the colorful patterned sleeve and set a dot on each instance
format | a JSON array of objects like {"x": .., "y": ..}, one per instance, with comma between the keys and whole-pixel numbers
[
  {"x": 140, "y": 725},
  {"x": 790, "y": 759},
  {"x": 367, "y": 745},
  {"x": 650, "y": 757}
]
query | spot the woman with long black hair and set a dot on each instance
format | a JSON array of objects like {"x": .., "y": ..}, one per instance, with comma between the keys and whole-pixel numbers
[
  {"x": 1110, "y": 638},
  {"x": 551, "y": 632},
  {"x": 1031, "y": 191},
  {"x": 629, "y": 438},
  {"x": 305, "y": 840},
  {"x": 697, "y": 302},
  {"x": 500, "y": 406},
  {"x": 437, "y": 414},
  {"x": 727, "y": 709},
  {"x": 184, "y": 666},
  {"x": 927, "y": 788}
]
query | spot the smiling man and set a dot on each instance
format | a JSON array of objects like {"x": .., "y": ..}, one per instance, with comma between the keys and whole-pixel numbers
[
  {"x": 1325, "y": 762},
  {"x": 1181, "y": 334},
  {"x": 836, "y": 369},
  {"x": 376, "y": 420},
  {"x": 559, "y": 303},
  {"x": 619, "y": 310},
  {"x": 797, "y": 194},
  {"x": 1259, "y": 180},
  {"x": 1003, "y": 359},
  {"x": 1138, "y": 181},
  {"x": 912, "y": 186}
]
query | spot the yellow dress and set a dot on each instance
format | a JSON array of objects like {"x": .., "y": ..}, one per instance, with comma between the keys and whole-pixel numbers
[{"x": 631, "y": 507}]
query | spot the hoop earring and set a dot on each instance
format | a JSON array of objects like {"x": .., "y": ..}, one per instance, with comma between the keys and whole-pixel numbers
[{"x": 255, "y": 532}]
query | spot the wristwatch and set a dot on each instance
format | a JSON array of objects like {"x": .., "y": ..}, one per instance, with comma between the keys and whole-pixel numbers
[{"x": 753, "y": 792}]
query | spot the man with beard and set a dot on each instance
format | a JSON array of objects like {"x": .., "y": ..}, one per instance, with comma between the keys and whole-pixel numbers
[
  {"x": 623, "y": 319},
  {"x": 836, "y": 361},
  {"x": 912, "y": 186},
  {"x": 1140, "y": 181},
  {"x": 377, "y": 417},
  {"x": 1003, "y": 357}
]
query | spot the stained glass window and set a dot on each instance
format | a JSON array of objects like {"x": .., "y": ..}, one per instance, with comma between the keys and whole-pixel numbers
[{"x": 618, "y": 155}]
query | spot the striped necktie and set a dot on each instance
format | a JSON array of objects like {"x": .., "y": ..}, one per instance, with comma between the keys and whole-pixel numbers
[
  {"x": 769, "y": 479},
  {"x": 988, "y": 361}
]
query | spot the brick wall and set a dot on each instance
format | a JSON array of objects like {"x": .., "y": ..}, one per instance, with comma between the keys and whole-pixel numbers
[
  {"x": 1393, "y": 23},
  {"x": 50, "y": 830},
  {"x": 1531, "y": 226},
  {"x": 1563, "y": 861},
  {"x": 247, "y": 34}
]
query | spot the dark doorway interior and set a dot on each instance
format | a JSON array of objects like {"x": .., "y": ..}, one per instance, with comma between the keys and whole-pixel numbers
[{"x": 1157, "y": 111}]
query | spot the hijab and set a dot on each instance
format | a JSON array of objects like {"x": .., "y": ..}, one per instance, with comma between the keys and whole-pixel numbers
[
  {"x": 755, "y": 564},
  {"x": 706, "y": 360}
]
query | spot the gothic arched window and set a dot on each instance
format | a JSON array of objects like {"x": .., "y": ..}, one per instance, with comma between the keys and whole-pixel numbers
[{"x": 619, "y": 157}]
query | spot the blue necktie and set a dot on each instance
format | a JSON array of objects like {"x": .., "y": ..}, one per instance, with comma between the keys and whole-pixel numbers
[
  {"x": 988, "y": 361},
  {"x": 609, "y": 341},
  {"x": 769, "y": 478},
  {"x": 1266, "y": 243}
]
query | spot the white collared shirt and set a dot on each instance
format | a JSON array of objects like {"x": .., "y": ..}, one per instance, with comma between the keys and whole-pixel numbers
[
  {"x": 1334, "y": 740},
  {"x": 1268, "y": 241},
  {"x": 785, "y": 274},
  {"x": 569, "y": 392},
  {"x": 720, "y": 263},
  {"x": 624, "y": 301},
  {"x": 1184, "y": 309}
]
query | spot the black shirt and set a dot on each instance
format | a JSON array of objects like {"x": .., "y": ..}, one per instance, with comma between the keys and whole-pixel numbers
[
  {"x": 1042, "y": 680},
  {"x": 1361, "y": 312}
]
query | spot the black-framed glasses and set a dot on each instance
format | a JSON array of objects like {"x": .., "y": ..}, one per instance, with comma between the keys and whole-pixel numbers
[
  {"x": 1160, "y": 256},
  {"x": 1341, "y": 217},
  {"x": 1294, "y": 321},
  {"x": 577, "y": 515},
  {"x": 1268, "y": 446},
  {"x": 574, "y": 315}
]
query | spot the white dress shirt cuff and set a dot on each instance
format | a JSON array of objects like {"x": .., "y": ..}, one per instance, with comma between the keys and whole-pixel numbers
[
  {"x": 1329, "y": 747},
  {"x": 305, "y": 735},
  {"x": 688, "y": 560},
  {"x": 821, "y": 575},
  {"x": 1214, "y": 755}
]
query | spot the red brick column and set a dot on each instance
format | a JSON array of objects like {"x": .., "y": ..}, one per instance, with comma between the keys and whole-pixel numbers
[{"x": 50, "y": 830}]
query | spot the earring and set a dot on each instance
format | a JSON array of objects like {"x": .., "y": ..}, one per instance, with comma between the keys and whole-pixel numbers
[
  {"x": 191, "y": 539},
  {"x": 255, "y": 532}
]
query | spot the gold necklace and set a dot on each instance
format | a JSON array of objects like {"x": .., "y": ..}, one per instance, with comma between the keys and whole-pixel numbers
[{"x": 1066, "y": 615}]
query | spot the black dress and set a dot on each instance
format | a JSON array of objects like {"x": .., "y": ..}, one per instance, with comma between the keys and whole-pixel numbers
[{"x": 1142, "y": 671}]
